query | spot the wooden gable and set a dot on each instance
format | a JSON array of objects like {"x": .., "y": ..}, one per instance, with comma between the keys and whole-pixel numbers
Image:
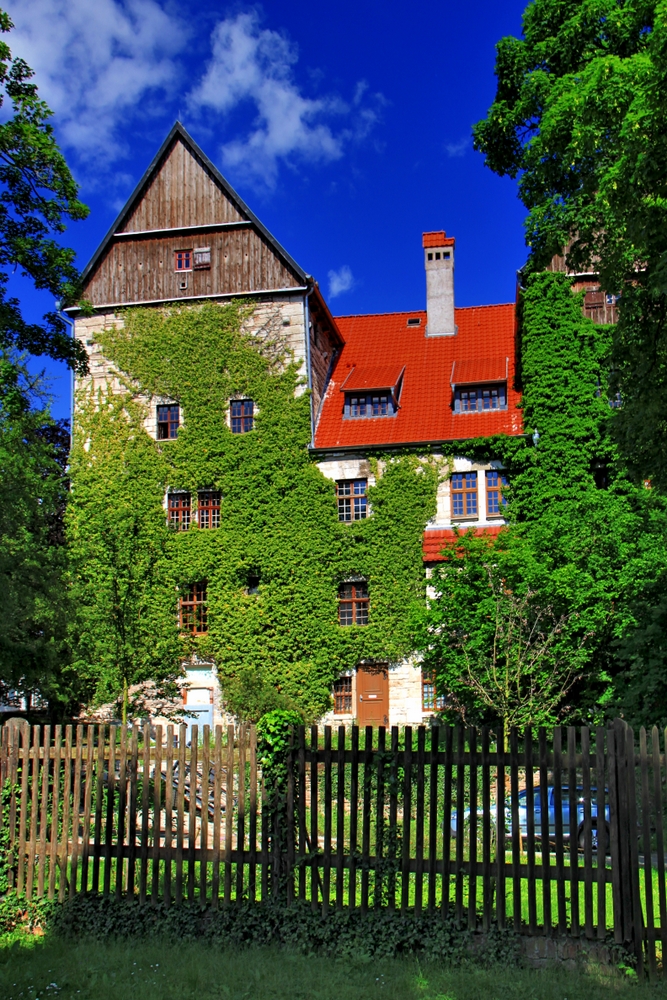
[
  {"x": 182, "y": 203},
  {"x": 182, "y": 192}
]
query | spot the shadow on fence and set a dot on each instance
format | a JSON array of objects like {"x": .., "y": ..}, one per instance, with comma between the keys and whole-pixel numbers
[{"x": 558, "y": 835}]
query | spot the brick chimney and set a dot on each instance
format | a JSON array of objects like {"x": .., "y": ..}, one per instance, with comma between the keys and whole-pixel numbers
[{"x": 439, "y": 264}]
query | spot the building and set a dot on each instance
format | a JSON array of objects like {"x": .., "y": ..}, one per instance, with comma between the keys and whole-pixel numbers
[{"x": 380, "y": 385}]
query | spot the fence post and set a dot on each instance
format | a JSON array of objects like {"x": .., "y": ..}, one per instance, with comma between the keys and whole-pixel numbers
[{"x": 628, "y": 919}]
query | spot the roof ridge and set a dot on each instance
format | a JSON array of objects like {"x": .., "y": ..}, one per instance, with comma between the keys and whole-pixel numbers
[{"x": 413, "y": 312}]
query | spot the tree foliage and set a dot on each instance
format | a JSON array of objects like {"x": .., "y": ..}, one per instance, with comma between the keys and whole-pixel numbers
[
  {"x": 37, "y": 196},
  {"x": 580, "y": 116},
  {"x": 33, "y": 456}
]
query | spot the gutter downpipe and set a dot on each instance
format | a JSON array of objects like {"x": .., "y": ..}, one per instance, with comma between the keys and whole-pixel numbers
[{"x": 306, "y": 319}]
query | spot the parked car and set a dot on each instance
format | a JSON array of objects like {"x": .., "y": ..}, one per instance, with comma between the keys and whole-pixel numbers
[{"x": 577, "y": 826}]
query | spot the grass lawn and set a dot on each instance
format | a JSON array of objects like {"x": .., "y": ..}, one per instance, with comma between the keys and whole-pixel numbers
[{"x": 39, "y": 969}]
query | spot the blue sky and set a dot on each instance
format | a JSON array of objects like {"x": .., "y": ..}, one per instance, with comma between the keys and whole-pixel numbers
[{"x": 345, "y": 126}]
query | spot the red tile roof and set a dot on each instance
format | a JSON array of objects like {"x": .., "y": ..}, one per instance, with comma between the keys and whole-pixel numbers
[
  {"x": 437, "y": 539},
  {"x": 425, "y": 405},
  {"x": 439, "y": 239},
  {"x": 471, "y": 371},
  {"x": 373, "y": 377}
]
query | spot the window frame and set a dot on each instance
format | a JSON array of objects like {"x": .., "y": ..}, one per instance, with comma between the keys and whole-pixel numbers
[
  {"x": 464, "y": 494},
  {"x": 247, "y": 421},
  {"x": 359, "y": 603},
  {"x": 193, "y": 609},
  {"x": 189, "y": 253},
  {"x": 354, "y": 501},
  {"x": 183, "y": 520},
  {"x": 209, "y": 507},
  {"x": 169, "y": 423},
  {"x": 342, "y": 695},
  {"x": 437, "y": 701},
  {"x": 462, "y": 395},
  {"x": 502, "y": 482},
  {"x": 371, "y": 405}
]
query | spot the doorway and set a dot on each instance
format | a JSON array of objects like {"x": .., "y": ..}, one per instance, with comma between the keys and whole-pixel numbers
[{"x": 372, "y": 694}]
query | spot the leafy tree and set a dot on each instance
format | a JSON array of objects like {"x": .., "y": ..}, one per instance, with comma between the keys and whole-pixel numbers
[
  {"x": 37, "y": 196},
  {"x": 495, "y": 645},
  {"x": 580, "y": 115},
  {"x": 33, "y": 456},
  {"x": 123, "y": 627}
]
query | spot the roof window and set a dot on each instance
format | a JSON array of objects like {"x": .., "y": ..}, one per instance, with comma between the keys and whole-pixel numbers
[{"x": 414, "y": 321}]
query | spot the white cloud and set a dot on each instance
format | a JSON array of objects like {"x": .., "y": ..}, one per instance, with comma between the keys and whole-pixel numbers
[
  {"x": 96, "y": 64},
  {"x": 459, "y": 148},
  {"x": 340, "y": 281},
  {"x": 254, "y": 66}
]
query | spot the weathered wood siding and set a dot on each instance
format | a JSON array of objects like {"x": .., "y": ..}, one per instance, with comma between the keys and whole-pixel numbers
[
  {"x": 322, "y": 347},
  {"x": 142, "y": 270},
  {"x": 181, "y": 193}
]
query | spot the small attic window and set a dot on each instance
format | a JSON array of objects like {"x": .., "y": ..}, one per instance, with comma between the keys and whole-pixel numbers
[
  {"x": 414, "y": 321},
  {"x": 202, "y": 258},
  {"x": 182, "y": 260}
]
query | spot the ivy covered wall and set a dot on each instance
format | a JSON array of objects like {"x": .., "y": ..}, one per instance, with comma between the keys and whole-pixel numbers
[{"x": 282, "y": 646}]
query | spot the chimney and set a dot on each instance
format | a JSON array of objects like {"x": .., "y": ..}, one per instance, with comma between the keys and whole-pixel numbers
[{"x": 439, "y": 264}]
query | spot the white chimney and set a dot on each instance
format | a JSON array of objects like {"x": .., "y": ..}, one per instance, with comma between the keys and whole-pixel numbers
[{"x": 439, "y": 264}]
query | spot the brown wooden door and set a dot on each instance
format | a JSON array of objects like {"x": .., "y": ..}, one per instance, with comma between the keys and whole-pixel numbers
[{"x": 373, "y": 694}]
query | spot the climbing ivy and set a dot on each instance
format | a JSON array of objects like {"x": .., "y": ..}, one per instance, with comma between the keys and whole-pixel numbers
[{"x": 279, "y": 648}]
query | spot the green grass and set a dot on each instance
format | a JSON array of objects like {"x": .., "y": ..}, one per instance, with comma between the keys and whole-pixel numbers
[{"x": 38, "y": 969}]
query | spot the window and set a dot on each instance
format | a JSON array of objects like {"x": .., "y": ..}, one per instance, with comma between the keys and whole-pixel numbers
[
  {"x": 464, "y": 494},
  {"x": 431, "y": 700},
  {"x": 208, "y": 505},
  {"x": 495, "y": 500},
  {"x": 192, "y": 609},
  {"x": 202, "y": 258},
  {"x": 167, "y": 421},
  {"x": 253, "y": 585},
  {"x": 242, "y": 415},
  {"x": 477, "y": 398},
  {"x": 376, "y": 404},
  {"x": 182, "y": 260},
  {"x": 415, "y": 321},
  {"x": 352, "y": 502},
  {"x": 353, "y": 603},
  {"x": 178, "y": 505},
  {"x": 343, "y": 696}
]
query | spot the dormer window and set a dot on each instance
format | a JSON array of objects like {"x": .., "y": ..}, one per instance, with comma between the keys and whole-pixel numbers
[
  {"x": 369, "y": 405},
  {"x": 477, "y": 398},
  {"x": 372, "y": 392}
]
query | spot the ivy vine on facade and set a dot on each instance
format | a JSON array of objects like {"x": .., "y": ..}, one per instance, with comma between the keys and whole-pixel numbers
[{"x": 259, "y": 489}]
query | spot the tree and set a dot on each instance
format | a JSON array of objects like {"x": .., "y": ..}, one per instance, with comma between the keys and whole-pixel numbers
[
  {"x": 580, "y": 115},
  {"x": 37, "y": 196},
  {"x": 123, "y": 626},
  {"x": 498, "y": 648},
  {"x": 33, "y": 457}
]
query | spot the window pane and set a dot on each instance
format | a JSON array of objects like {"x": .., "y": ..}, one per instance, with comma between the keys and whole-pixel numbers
[
  {"x": 359, "y": 486},
  {"x": 362, "y": 614},
  {"x": 345, "y": 616},
  {"x": 359, "y": 508},
  {"x": 344, "y": 509}
]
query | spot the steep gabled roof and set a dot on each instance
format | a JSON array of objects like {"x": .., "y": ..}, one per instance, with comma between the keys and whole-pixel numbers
[{"x": 179, "y": 133}]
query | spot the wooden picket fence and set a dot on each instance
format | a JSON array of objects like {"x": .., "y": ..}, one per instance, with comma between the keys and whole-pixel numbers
[{"x": 446, "y": 820}]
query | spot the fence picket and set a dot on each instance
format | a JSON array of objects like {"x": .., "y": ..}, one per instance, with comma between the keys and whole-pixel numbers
[
  {"x": 217, "y": 815},
  {"x": 379, "y": 820},
  {"x": 472, "y": 821},
  {"x": 392, "y": 846},
  {"x": 170, "y": 753},
  {"x": 340, "y": 816},
  {"x": 122, "y": 808},
  {"x": 588, "y": 832},
  {"x": 132, "y": 811},
  {"x": 326, "y": 873},
  {"x": 460, "y": 830},
  {"x": 572, "y": 813},
  {"x": 44, "y": 811},
  {"x": 354, "y": 816},
  {"x": 301, "y": 810},
  {"x": 447, "y": 824},
  {"x": 432, "y": 818},
  {"x": 419, "y": 822},
  {"x": 660, "y": 839},
  {"x": 64, "y": 840},
  {"x": 487, "y": 900},
  {"x": 229, "y": 814},
  {"x": 530, "y": 831},
  {"x": 646, "y": 848},
  {"x": 558, "y": 829},
  {"x": 500, "y": 827},
  {"x": 34, "y": 810},
  {"x": 366, "y": 817},
  {"x": 156, "y": 827},
  {"x": 314, "y": 810},
  {"x": 87, "y": 804},
  {"x": 192, "y": 811},
  {"x": 603, "y": 839},
  {"x": 407, "y": 816},
  {"x": 180, "y": 814},
  {"x": 23, "y": 811},
  {"x": 252, "y": 820}
]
